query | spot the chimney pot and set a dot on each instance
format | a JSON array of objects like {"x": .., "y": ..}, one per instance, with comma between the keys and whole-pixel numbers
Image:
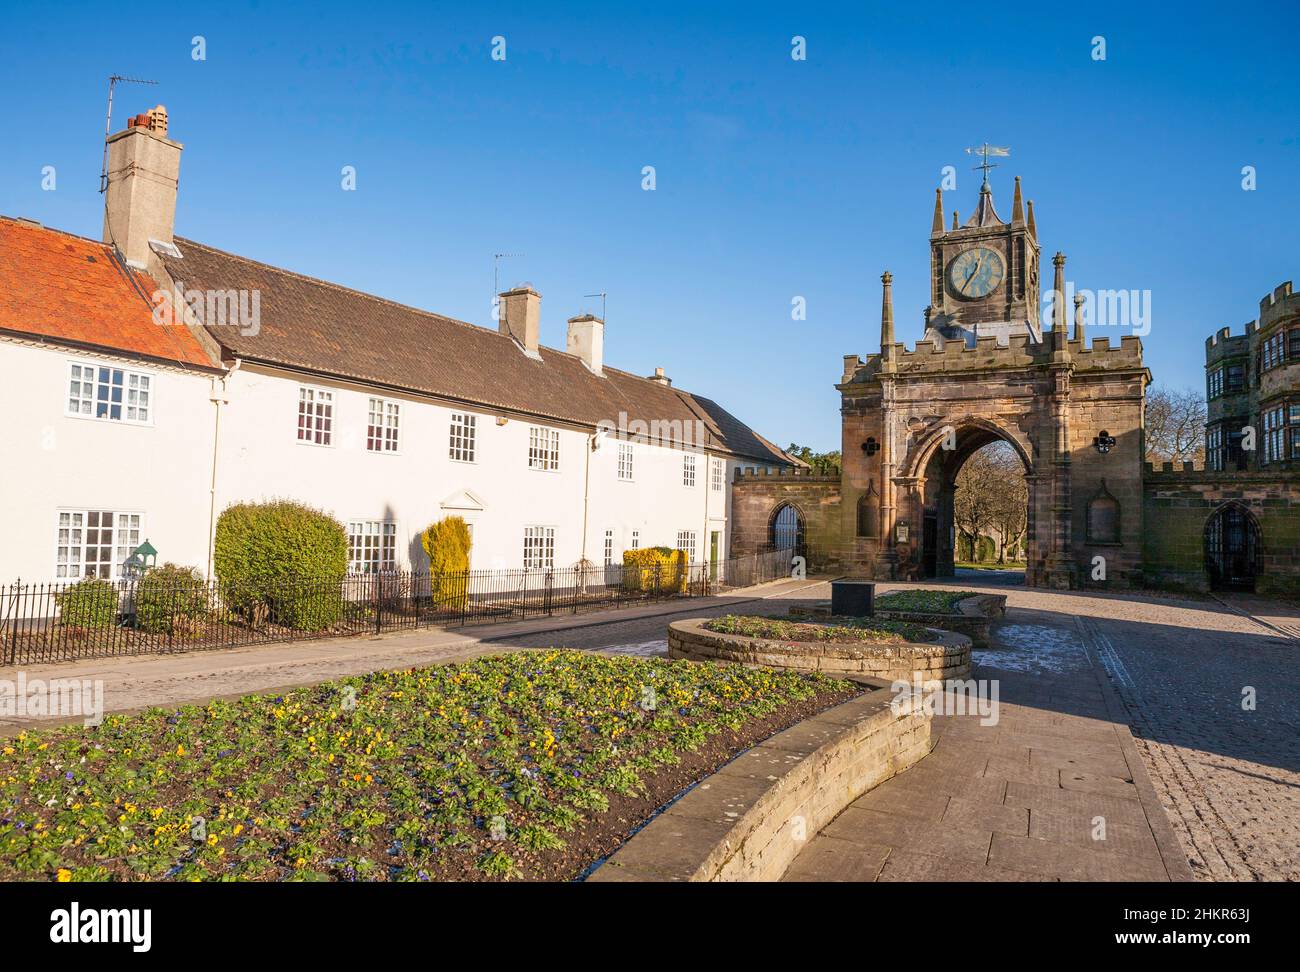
[{"x": 661, "y": 378}]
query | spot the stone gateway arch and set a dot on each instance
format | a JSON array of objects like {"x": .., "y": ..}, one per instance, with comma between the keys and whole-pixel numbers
[{"x": 986, "y": 370}]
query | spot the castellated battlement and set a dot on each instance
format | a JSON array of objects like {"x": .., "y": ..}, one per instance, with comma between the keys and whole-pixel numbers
[
  {"x": 1225, "y": 337},
  {"x": 1280, "y": 303},
  {"x": 1019, "y": 351},
  {"x": 803, "y": 475},
  {"x": 1173, "y": 469}
]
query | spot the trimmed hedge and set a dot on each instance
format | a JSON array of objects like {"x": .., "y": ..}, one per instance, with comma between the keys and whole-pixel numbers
[
  {"x": 447, "y": 543},
  {"x": 282, "y": 561},
  {"x": 171, "y": 599},
  {"x": 639, "y": 569},
  {"x": 89, "y": 603}
]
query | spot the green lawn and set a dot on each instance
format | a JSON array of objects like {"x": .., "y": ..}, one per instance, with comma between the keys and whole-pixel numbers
[
  {"x": 844, "y": 630},
  {"x": 475, "y": 770},
  {"x": 925, "y": 602}
]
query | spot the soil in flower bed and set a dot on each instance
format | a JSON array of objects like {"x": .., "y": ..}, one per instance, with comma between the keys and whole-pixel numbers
[
  {"x": 923, "y": 602},
  {"x": 531, "y": 765},
  {"x": 839, "y": 630}
]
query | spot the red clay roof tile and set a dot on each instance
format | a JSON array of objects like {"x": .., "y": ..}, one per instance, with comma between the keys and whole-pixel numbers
[{"x": 56, "y": 285}]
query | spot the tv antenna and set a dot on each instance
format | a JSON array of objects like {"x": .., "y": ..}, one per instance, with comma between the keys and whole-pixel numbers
[
  {"x": 496, "y": 270},
  {"x": 602, "y": 295},
  {"x": 108, "y": 122}
]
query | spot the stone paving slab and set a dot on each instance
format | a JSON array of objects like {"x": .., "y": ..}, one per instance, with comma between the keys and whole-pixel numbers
[{"x": 1022, "y": 799}]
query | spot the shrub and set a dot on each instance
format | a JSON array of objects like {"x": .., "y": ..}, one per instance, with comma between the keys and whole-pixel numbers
[
  {"x": 171, "y": 599},
  {"x": 639, "y": 569},
  {"x": 282, "y": 561},
  {"x": 89, "y": 603},
  {"x": 447, "y": 543}
]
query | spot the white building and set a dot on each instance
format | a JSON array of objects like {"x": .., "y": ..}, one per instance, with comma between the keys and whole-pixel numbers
[{"x": 134, "y": 415}]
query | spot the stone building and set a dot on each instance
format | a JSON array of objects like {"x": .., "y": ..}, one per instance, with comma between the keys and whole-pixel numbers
[
  {"x": 1236, "y": 523},
  {"x": 1071, "y": 407}
]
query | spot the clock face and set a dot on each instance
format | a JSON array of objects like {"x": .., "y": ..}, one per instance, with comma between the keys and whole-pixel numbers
[{"x": 976, "y": 273}]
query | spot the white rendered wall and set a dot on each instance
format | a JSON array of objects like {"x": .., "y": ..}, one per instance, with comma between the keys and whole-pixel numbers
[
  {"x": 50, "y": 461},
  {"x": 498, "y": 493}
]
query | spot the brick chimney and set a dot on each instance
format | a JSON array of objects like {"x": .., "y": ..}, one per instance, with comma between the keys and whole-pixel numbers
[
  {"x": 521, "y": 317},
  {"x": 587, "y": 340},
  {"x": 660, "y": 378},
  {"x": 144, "y": 168}
]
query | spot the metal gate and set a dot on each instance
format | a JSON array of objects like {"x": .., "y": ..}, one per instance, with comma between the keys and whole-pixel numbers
[{"x": 1232, "y": 549}]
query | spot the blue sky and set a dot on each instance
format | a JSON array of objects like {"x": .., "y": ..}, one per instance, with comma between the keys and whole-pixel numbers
[{"x": 775, "y": 178}]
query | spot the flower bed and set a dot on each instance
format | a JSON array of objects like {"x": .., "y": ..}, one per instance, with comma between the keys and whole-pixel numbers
[
  {"x": 532, "y": 764},
  {"x": 971, "y": 613},
  {"x": 839, "y": 630},
  {"x": 923, "y": 602}
]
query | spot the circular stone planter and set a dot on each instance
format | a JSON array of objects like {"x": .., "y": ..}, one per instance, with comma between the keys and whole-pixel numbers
[
  {"x": 971, "y": 616},
  {"x": 948, "y": 656}
]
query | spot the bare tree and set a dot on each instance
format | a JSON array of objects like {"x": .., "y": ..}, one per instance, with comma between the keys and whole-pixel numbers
[
  {"x": 1011, "y": 502},
  {"x": 1175, "y": 426},
  {"x": 991, "y": 496}
]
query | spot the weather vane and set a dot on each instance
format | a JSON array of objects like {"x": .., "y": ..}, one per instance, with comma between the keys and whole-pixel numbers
[{"x": 987, "y": 150}]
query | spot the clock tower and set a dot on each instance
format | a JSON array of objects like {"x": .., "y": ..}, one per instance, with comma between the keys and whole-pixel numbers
[{"x": 984, "y": 274}]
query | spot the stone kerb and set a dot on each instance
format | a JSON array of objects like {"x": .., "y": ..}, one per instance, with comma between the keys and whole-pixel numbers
[
  {"x": 748, "y": 821},
  {"x": 948, "y": 656}
]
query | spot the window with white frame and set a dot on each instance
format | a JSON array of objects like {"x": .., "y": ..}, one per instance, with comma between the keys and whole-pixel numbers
[
  {"x": 315, "y": 415},
  {"x": 625, "y": 461},
  {"x": 1274, "y": 434},
  {"x": 1274, "y": 350},
  {"x": 104, "y": 392},
  {"x": 464, "y": 434},
  {"x": 636, "y": 540},
  {"x": 543, "y": 448},
  {"x": 382, "y": 425},
  {"x": 686, "y": 543},
  {"x": 539, "y": 546},
  {"x": 372, "y": 546},
  {"x": 95, "y": 543},
  {"x": 609, "y": 547},
  {"x": 717, "y": 473},
  {"x": 1214, "y": 448},
  {"x": 1214, "y": 385},
  {"x": 688, "y": 469}
]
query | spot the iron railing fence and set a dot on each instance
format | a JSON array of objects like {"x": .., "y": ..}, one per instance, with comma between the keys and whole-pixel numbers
[{"x": 68, "y": 620}]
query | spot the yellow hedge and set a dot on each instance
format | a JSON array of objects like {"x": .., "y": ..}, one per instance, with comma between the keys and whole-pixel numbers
[{"x": 639, "y": 569}]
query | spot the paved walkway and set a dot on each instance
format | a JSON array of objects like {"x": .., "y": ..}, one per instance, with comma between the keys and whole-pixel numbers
[
  {"x": 136, "y": 682},
  {"x": 1055, "y": 790},
  {"x": 1208, "y": 790}
]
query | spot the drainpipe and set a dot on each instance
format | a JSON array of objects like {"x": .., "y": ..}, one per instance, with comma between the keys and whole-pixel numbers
[
  {"x": 586, "y": 492},
  {"x": 218, "y": 397}
]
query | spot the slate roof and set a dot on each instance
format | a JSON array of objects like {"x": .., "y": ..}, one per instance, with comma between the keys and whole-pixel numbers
[
  {"x": 317, "y": 326},
  {"x": 75, "y": 291}
]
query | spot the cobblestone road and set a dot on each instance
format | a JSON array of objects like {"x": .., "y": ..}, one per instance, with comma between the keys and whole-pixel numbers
[{"x": 1212, "y": 696}]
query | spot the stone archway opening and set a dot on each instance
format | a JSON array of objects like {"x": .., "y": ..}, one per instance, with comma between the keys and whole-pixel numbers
[
  {"x": 1232, "y": 548},
  {"x": 976, "y": 505},
  {"x": 786, "y": 529}
]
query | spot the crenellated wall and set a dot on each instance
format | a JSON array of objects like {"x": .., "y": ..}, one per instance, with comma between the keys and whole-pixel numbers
[
  {"x": 757, "y": 496},
  {"x": 1179, "y": 504}
]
